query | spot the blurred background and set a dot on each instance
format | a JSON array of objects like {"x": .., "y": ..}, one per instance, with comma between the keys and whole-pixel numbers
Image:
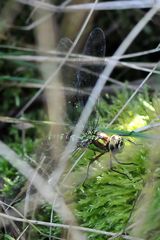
[{"x": 52, "y": 54}]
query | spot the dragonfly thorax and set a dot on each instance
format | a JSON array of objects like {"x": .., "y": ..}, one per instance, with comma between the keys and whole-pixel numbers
[{"x": 106, "y": 143}]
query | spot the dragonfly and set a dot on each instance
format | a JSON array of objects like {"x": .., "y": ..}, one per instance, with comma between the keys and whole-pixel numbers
[{"x": 92, "y": 138}]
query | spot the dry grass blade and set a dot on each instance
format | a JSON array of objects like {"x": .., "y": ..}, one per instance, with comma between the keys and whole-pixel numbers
[
  {"x": 46, "y": 191},
  {"x": 83, "y": 229},
  {"x": 111, "y": 5},
  {"x": 47, "y": 184},
  {"x": 132, "y": 96}
]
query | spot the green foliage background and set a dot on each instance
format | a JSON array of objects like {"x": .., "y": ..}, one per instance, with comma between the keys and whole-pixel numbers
[{"x": 109, "y": 201}]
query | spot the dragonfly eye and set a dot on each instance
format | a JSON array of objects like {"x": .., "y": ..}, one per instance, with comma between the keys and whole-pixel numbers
[
  {"x": 116, "y": 143},
  {"x": 120, "y": 143},
  {"x": 111, "y": 147}
]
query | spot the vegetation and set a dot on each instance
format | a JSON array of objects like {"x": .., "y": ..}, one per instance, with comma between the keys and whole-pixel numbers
[{"x": 42, "y": 190}]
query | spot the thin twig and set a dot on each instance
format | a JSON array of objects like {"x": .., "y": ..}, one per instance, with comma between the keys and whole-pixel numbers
[
  {"x": 112, "y": 5},
  {"x": 49, "y": 224},
  {"x": 133, "y": 95}
]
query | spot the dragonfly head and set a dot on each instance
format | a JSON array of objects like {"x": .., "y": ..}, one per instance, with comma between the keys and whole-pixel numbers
[{"x": 116, "y": 144}]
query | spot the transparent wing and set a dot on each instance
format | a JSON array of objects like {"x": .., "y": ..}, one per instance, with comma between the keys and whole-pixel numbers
[
  {"x": 79, "y": 82},
  {"x": 64, "y": 45},
  {"x": 95, "y": 46},
  {"x": 68, "y": 75}
]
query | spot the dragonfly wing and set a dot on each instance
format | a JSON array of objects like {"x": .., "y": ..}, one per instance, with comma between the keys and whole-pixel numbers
[
  {"x": 69, "y": 74},
  {"x": 64, "y": 45},
  {"x": 88, "y": 75}
]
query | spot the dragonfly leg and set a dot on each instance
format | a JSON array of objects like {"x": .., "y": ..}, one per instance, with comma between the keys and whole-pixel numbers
[
  {"x": 137, "y": 144},
  {"x": 89, "y": 164},
  {"x": 123, "y": 163},
  {"x": 113, "y": 169}
]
